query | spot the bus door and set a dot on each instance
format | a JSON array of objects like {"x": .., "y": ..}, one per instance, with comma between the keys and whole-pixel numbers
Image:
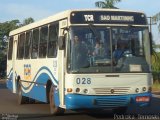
[
  {"x": 61, "y": 65},
  {"x": 15, "y": 39}
]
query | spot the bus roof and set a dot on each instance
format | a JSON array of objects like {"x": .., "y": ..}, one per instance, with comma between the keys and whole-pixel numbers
[
  {"x": 99, "y": 9},
  {"x": 42, "y": 22},
  {"x": 60, "y": 16}
]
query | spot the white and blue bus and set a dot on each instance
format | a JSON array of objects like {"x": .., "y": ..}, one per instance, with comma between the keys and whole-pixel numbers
[{"x": 82, "y": 59}]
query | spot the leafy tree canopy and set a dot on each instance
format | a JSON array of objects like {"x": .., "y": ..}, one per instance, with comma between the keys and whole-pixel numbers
[
  {"x": 5, "y": 29},
  {"x": 28, "y": 21},
  {"x": 107, "y": 4}
]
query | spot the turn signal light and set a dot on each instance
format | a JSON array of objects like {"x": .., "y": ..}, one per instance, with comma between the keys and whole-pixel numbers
[
  {"x": 69, "y": 89},
  {"x": 142, "y": 99}
]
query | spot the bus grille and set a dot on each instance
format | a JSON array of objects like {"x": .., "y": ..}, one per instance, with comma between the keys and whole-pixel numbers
[
  {"x": 112, "y": 91},
  {"x": 112, "y": 102}
]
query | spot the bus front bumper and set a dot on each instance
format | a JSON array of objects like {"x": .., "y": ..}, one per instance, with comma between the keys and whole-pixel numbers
[{"x": 76, "y": 101}]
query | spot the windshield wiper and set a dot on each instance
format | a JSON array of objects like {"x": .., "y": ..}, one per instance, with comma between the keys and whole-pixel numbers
[{"x": 94, "y": 31}]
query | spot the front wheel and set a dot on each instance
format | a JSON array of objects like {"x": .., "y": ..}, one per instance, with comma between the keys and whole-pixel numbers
[
  {"x": 53, "y": 108},
  {"x": 121, "y": 110}
]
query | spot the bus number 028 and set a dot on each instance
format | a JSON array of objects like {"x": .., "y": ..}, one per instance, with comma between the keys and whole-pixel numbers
[{"x": 83, "y": 80}]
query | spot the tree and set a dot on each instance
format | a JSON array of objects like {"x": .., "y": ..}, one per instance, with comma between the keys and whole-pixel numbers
[
  {"x": 155, "y": 56},
  {"x": 8, "y": 26},
  {"x": 107, "y": 4},
  {"x": 27, "y": 21},
  {"x": 5, "y": 29}
]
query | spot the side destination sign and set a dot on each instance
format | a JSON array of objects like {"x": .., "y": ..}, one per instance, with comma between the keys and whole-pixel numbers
[{"x": 108, "y": 17}]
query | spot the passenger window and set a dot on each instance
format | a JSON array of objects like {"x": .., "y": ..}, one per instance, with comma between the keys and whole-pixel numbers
[
  {"x": 28, "y": 44},
  {"x": 53, "y": 39},
  {"x": 35, "y": 41},
  {"x": 10, "y": 49},
  {"x": 43, "y": 42},
  {"x": 20, "y": 51}
]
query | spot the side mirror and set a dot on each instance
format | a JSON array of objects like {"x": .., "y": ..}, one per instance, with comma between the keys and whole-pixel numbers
[
  {"x": 151, "y": 47},
  {"x": 61, "y": 42}
]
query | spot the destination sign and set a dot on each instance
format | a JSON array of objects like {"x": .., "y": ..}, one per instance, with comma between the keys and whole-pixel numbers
[
  {"x": 107, "y": 17},
  {"x": 116, "y": 18}
]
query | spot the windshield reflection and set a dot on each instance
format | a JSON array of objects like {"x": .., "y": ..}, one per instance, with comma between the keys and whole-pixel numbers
[{"x": 101, "y": 49}]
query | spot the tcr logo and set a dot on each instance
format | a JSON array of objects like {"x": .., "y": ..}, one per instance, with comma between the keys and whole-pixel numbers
[{"x": 89, "y": 17}]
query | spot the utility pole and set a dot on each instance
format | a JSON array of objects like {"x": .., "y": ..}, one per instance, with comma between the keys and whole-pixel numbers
[
  {"x": 150, "y": 33},
  {"x": 151, "y": 23}
]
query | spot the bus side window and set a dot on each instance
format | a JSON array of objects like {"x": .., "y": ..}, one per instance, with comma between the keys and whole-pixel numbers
[
  {"x": 20, "y": 51},
  {"x": 53, "y": 38},
  {"x": 10, "y": 49},
  {"x": 35, "y": 40},
  {"x": 43, "y": 42},
  {"x": 27, "y": 44}
]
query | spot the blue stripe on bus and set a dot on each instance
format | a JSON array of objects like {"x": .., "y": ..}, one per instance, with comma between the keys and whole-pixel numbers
[
  {"x": 11, "y": 73},
  {"x": 36, "y": 92},
  {"x": 43, "y": 82},
  {"x": 11, "y": 70},
  {"x": 39, "y": 92},
  {"x": 10, "y": 76},
  {"x": 9, "y": 82},
  {"x": 44, "y": 67}
]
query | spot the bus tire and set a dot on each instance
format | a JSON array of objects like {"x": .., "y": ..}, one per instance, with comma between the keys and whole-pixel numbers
[
  {"x": 31, "y": 101},
  {"x": 21, "y": 99},
  {"x": 121, "y": 110},
  {"x": 54, "y": 110}
]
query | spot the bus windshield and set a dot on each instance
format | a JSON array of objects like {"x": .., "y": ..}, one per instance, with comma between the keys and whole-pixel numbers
[{"x": 108, "y": 49}]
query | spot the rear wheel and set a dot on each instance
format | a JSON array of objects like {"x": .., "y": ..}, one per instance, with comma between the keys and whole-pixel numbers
[
  {"x": 53, "y": 108},
  {"x": 31, "y": 101},
  {"x": 21, "y": 99}
]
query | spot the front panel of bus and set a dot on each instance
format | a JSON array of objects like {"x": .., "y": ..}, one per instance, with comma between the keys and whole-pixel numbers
[{"x": 108, "y": 60}]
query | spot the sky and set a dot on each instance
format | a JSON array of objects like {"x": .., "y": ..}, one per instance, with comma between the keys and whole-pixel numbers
[{"x": 39, "y": 9}]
